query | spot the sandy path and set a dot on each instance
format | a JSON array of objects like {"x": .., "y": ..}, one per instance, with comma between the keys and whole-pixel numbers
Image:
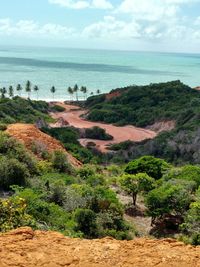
[{"x": 120, "y": 134}]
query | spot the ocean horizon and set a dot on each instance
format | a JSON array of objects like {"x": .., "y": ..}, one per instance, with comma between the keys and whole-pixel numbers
[{"x": 102, "y": 70}]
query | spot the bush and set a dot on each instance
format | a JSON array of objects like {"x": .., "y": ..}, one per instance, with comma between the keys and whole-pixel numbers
[
  {"x": 86, "y": 222},
  {"x": 97, "y": 133},
  {"x": 154, "y": 167},
  {"x": 3, "y": 127},
  {"x": 13, "y": 214},
  {"x": 168, "y": 199},
  {"x": 60, "y": 162},
  {"x": 12, "y": 172}
]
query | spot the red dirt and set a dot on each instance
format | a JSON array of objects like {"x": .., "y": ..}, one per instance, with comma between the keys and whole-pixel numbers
[
  {"x": 113, "y": 94},
  {"x": 29, "y": 134},
  {"x": 27, "y": 248},
  {"x": 72, "y": 116}
]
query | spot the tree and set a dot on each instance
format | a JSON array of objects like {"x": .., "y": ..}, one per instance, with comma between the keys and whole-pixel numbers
[
  {"x": 168, "y": 199},
  {"x": 92, "y": 93},
  {"x": 75, "y": 89},
  {"x": 134, "y": 184},
  {"x": 53, "y": 90},
  {"x": 98, "y": 92},
  {"x": 11, "y": 91},
  {"x": 28, "y": 88},
  {"x": 71, "y": 92},
  {"x": 36, "y": 89},
  {"x": 84, "y": 91},
  {"x": 3, "y": 92},
  {"x": 19, "y": 89},
  {"x": 154, "y": 167}
]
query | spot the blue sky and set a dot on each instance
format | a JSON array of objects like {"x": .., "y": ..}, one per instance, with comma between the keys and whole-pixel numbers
[{"x": 153, "y": 25}]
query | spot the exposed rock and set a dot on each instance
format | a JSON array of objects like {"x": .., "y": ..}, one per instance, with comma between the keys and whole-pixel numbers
[{"x": 27, "y": 248}]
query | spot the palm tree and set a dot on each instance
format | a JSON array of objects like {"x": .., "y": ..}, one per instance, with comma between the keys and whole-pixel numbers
[
  {"x": 84, "y": 90},
  {"x": 53, "y": 90},
  {"x": 98, "y": 92},
  {"x": 28, "y": 88},
  {"x": 36, "y": 89},
  {"x": 19, "y": 89},
  {"x": 3, "y": 92},
  {"x": 11, "y": 91},
  {"x": 71, "y": 92},
  {"x": 75, "y": 89}
]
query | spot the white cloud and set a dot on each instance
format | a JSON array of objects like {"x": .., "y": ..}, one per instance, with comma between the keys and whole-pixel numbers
[
  {"x": 82, "y": 4},
  {"x": 31, "y": 28},
  {"x": 110, "y": 28}
]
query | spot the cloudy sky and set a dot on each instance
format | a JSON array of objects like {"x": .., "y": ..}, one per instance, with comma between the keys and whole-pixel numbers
[{"x": 152, "y": 25}]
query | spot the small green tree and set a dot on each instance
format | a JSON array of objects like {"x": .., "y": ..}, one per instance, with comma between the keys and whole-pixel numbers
[
  {"x": 168, "y": 199},
  {"x": 134, "y": 184},
  {"x": 154, "y": 167}
]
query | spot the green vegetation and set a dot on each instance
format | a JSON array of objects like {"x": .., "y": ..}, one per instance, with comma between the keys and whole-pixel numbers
[
  {"x": 97, "y": 133},
  {"x": 51, "y": 194},
  {"x": 22, "y": 110},
  {"x": 48, "y": 193},
  {"x": 145, "y": 105}
]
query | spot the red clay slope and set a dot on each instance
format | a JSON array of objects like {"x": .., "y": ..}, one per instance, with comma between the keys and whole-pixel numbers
[
  {"x": 29, "y": 134},
  {"x": 26, "y": 248}
]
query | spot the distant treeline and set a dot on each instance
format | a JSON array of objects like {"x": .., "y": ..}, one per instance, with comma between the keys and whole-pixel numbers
[{"x": 28, "y": 88}]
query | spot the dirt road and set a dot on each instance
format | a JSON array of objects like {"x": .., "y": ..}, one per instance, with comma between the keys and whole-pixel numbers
[{"x": 72, "y": 116}]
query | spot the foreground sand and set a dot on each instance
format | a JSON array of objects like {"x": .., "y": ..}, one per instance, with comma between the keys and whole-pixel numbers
[
  {"x": 25, "y": 248},
  {"x": 120, "y": 134}
]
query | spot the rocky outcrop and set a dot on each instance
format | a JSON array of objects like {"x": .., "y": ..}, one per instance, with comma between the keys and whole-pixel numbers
[{"x": 27, "y": 248}]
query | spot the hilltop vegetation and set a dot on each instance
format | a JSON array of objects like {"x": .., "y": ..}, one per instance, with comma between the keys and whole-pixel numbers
[
  {"x": 146, "y": 105},
  {"x": 22, "y": 110}
]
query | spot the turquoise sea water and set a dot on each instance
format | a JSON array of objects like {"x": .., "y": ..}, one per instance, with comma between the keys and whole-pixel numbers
[{"x": 96, "y": 69}]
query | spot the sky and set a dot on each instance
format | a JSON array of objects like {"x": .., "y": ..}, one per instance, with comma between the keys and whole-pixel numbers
[{"x": 146, "y": 25}]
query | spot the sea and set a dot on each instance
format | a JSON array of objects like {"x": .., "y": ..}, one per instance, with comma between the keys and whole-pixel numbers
[{"x": 102, "y": 70}]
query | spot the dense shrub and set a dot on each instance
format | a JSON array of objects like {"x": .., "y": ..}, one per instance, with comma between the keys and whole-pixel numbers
[
  {"x": 154, "y": 167},
  {"x": 97, "y": 133},
  {"x": 12, "y": 172},
  {"x": 13, "y": 214},
  {"x": 60, "y": 162}
]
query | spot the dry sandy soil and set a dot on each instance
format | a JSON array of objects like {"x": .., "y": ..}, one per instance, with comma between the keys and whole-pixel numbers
[
  {"x": 30, "y": 135},
  {"x": 26, "y": 248},
  {"x": 120, "y": 134}
]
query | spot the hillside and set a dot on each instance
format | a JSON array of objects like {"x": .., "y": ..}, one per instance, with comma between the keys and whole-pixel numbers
[
  {"x": 23, "y": 110},
  {"x": 172, "y": 103},
  {"x": 24, "y": 247},
  {"x": 31, "y": 136}
]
